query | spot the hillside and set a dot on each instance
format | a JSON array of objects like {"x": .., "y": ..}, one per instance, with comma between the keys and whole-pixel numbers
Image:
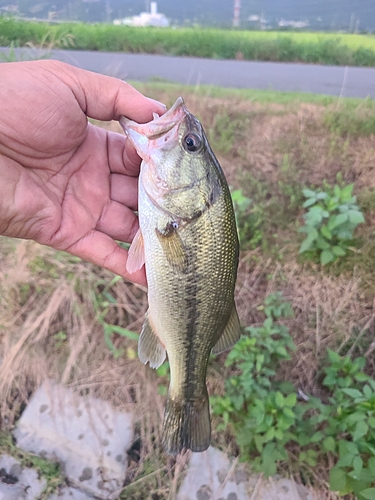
[{"x": 316, "y": 14}]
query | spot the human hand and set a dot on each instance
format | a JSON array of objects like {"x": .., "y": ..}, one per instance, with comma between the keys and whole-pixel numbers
[{"x": 64, "y": 182}]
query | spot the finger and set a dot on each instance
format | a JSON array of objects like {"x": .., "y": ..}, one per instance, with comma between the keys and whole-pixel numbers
[
  {"x": 106, "y": 98},
  {"x": 118, "y": 221},
  {"x": 102, "y": 250},
  {"x": 124, "y": 190},
  {"x": 122, "y": 156}
]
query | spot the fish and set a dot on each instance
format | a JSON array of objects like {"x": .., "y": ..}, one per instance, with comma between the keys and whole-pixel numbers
[{"x": 188, "y": 242}]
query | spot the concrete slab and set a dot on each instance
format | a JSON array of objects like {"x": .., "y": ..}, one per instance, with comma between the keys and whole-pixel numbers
[{"x": 85, "y": 435}]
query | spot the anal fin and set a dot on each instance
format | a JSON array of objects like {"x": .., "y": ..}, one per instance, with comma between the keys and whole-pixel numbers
[
  {"x": 230, "y": 335},
  {"x": 150, "y": 349}
]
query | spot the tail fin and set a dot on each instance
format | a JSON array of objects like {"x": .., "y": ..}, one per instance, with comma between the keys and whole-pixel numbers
[{"x": 187, "y": 425}]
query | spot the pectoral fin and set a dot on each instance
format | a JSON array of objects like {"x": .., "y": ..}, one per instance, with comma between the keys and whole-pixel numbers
[
  {"x": 173, "y": 249},
  {"x": 230, "y": 335},
  {"x": 136, "y": 256},
  {"x": 149, "y": 346}
]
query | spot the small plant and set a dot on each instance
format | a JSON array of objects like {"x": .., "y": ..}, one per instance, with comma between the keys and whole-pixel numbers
[
  {"x": 256, "y": 407},
  {"x": 349, "y": 430},
  {"x": 248, "y": 221},
  {"x": 330, "y": 221},
  {"x": 272, "y": 425}
]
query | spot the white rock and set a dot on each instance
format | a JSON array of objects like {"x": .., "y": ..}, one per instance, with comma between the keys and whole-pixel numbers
[
  {"x": 85, "y": 435},
  {"x": 212, "y": 475}
]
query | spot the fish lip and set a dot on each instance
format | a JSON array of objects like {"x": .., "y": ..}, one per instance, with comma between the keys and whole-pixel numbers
[{"x": 160, "y": 125}]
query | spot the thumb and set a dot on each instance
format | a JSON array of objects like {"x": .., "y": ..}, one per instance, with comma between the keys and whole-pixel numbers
[{"x": 106, "y": 98}]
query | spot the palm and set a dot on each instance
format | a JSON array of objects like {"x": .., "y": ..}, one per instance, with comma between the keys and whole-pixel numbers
[{"x": 76, "y": 182}]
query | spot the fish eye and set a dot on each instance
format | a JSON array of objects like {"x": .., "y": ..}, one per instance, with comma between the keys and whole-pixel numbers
[{"x": 192, "y": 142}]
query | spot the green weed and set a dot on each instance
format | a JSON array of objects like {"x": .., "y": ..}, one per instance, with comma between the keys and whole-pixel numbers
[
  {"x": 349, "y": 120},
  {"x": 211, "y": 43},
  {"x": 223, "y": 131},
  {"x": 330, "y": 221},
  {"x": 271, "y": 425}
]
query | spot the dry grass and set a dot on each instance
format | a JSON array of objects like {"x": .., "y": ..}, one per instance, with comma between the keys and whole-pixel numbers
[{"x": 52, "y": 306}]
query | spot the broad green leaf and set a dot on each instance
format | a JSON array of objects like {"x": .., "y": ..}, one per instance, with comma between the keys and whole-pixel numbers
[
  {"x": 355, "y": 417},
  {"x": 333, "y": 356},
  {"x": 356, "y": 217},
  {"x": 306, "y": 244},
  {"x": 279, "y": 399},
  {"x": 361, "y": 429},
  {"x": 315, "y": 215},
  {"x": 357, "y": 464},
  {"x": 368, "y": 493},
  {"x": 309, "y": 202},
  {"x": 291, "y": 400},
  {"x": 338, "y": 251},
  {"x": 326, "y": 256},
  {"x": 361, "y": 377},
  {"x": 336, "y": 190},
  {"x": 337, "y": 479},
  {"x": 308, "y": 193},
  {"x": 353, "y": 393},
  {"x": 371, "y": 465},
  {"x": 329, "y": 444},
  {"x": 346, "y": 192},
  {"x": 325, "y": 232},
  {"x": 367, "y": 391},
  {"x": 322, "y": 243},
  {"x": 344, "y": 234},
  {"x": 339, "y": 219}
]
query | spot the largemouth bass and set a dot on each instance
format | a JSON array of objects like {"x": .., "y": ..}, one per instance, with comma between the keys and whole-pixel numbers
[{"x": 188, "y": 242}]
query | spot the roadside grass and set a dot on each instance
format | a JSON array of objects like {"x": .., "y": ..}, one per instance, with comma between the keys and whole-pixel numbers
[
  {"x": 71, "y": 321},
  {"x": 324, "y": 48}
]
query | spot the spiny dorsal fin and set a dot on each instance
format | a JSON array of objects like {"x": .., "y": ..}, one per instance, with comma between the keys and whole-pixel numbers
[
  {"x": 149, "y": 346},
  {"x": 230, "y": 335},
  {"x": 136, "y": 255}
]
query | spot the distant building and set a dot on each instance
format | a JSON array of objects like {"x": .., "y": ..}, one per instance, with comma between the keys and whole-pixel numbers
[
  {"x": 283, "y": 23},
  {"x": 152, "y": 18}
]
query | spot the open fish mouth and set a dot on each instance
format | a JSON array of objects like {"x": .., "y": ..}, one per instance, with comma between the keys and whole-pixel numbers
[{"x": 156, "y": 128}]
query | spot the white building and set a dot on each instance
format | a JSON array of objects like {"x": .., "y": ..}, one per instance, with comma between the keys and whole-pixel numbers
[{"x": 152, "y": 18}]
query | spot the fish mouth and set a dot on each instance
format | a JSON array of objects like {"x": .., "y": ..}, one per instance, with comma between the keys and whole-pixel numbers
[{"x": 159, "y": 133}]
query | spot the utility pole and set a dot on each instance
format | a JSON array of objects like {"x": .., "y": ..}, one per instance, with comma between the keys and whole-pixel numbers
[{"x": 236, "y": 13}]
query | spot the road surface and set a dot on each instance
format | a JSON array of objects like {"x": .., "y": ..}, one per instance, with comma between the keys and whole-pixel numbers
[{"x": 289, "y": 77}]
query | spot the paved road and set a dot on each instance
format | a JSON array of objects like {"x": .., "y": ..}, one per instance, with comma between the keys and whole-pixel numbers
[{"x": 331, "y": 80}]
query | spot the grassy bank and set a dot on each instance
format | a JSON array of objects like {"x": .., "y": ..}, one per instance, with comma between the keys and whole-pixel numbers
[
  {"x": 323, "y": 48},
  {"x": 69, "y": 320}
]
